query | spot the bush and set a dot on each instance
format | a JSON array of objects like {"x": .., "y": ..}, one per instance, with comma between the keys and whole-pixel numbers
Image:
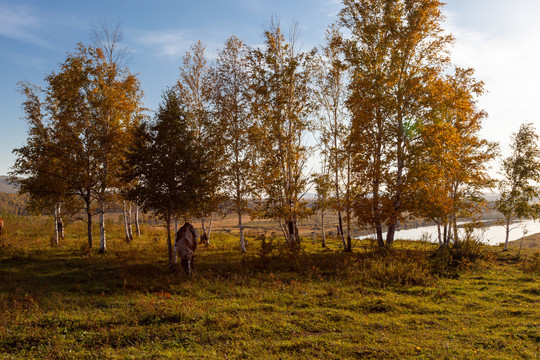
[
  {"x": 532, "y": 265},
  {"x": 462, "y": 254},
  {"x": 293, "y": 253},
  {"x": 469, "y": 249},
  {"x": 265, "y": 249},
  {"x": 394, "y": 268}
]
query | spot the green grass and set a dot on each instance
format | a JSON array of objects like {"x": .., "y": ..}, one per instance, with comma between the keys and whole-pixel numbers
[{"x": 66, "y": 303}]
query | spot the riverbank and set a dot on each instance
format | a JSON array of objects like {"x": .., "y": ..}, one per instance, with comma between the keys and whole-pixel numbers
[{"x": 491, "y": 233}]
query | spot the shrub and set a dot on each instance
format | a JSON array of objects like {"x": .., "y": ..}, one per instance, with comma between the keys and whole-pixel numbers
[
  {"x": 461, "y": 254},
  {"x": 394, "y": 268},
  {"x": 468, "y": 249},
  {"x": 532, "y": 265},
  {"x": 293, "y": 253},
  {"x": 265, "y": 249}
]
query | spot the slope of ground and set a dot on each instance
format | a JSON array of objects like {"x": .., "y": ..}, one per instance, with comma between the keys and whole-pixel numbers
[{"x": 529, "y": 242}]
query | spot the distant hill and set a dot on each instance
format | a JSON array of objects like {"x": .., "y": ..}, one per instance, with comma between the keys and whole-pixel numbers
[
  {"x": 529, "y": 242},
  {"x": 6, "y": 187},
  {"x": 10, "y": 201}
]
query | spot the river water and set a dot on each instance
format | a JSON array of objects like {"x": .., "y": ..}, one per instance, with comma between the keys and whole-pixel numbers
[{"x": 492, "y": 235}]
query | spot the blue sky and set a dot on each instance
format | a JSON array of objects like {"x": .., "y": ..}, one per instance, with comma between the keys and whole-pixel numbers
[{"x": 497, "y": 37}]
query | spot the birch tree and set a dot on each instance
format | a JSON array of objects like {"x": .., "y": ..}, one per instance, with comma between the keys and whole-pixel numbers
[
  {"x": 331, "y": 93},
  {"x": 87, "y": 106},
  {"x": 115, "y": 104},
  {"x": 36, "y": 165},
  {"x": 76, "y": 144},
  {"x": 521, "y": 174},
  {"x": 194, "y": 87},
  {"x": 230, "y": 100},
  {"x": 450, "y": 163},
  {"x": 109, "y": 39},
  {"x": 394, "y": 50},
  {"x": 282, "y": 106},
  {"x": 323, "y": 186}
]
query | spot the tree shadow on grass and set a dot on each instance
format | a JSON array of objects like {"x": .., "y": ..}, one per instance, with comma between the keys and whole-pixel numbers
[{"x": 48, "y": 272}]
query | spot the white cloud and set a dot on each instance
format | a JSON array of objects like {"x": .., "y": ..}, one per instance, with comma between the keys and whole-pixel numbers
[
  {"x": 20, "y": 23},
  {"x": 503, "y": 49},
  {"x": 171, "y": 43},
  {"x": 174, "y": 43}
]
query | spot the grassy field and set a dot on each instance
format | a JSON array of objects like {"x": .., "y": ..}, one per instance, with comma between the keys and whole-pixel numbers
[{"x": 69, "y": 303}]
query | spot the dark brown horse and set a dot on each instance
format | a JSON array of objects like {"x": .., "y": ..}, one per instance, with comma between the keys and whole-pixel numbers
[
  {"x": 1, "y": 226},
  {"x": 185, "y": 245}
]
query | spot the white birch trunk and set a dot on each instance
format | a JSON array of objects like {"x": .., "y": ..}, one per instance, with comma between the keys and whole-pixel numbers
[
  {"x": 126, "y": 230},
  {"x": 137, "y": 226},
  {"x": 203, "y": 224},
  {"x": 60, "y": 223},
  {"x": 348, "y": 198},
  {"x": 56, "y": 232},
  {"x": 322, "y": 230},
  {"x": 210, "y": 228},
  {"x": 316, "y": 228},
  {"x": 454, "y": 224},
  {"x": 507, "y": 234},
  {"x": 130, "y": 232},
  {"x": 241, "y": 230},
  {"x": 102, "y": 235}
]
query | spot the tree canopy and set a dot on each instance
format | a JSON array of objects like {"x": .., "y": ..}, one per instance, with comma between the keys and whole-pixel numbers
[
  {"x": 398, "y": 129},
  {"x": 169, "y": 169},
  {"x": 521, "y": 173}
]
